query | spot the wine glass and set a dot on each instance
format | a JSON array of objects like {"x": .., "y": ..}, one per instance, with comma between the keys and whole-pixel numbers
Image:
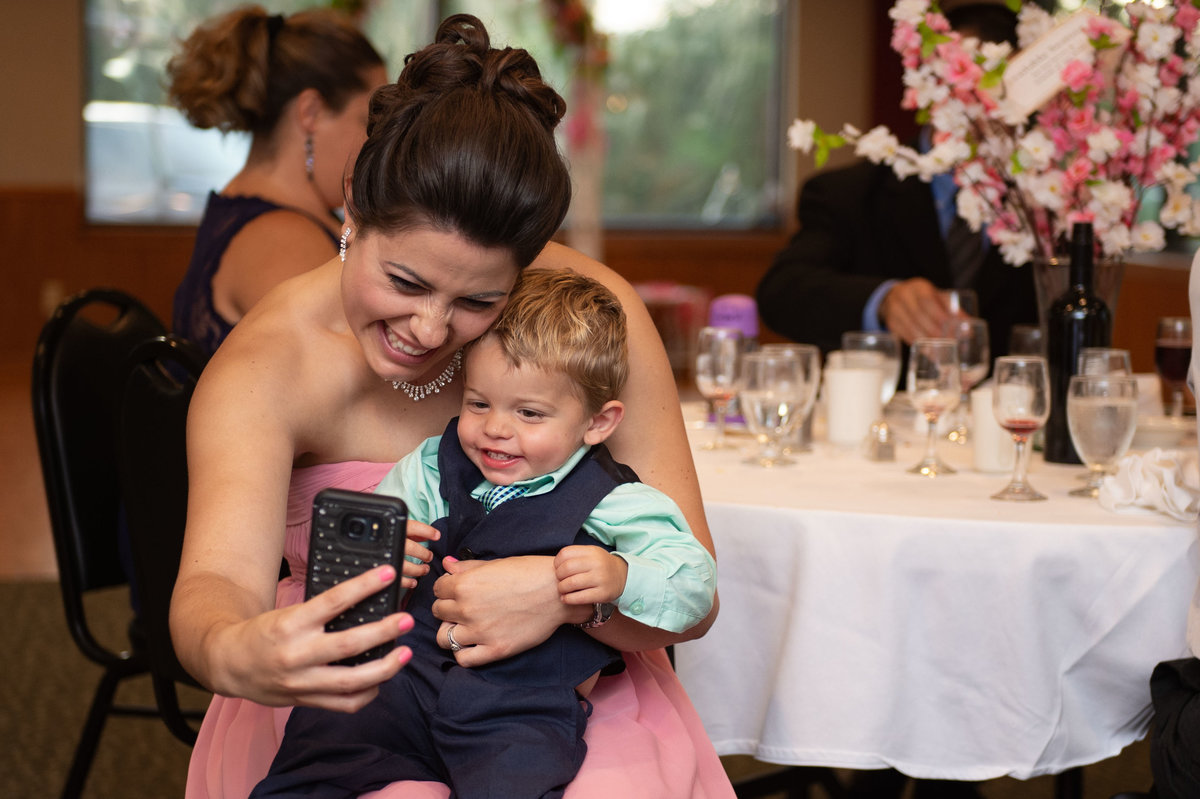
[
  {"x": 1103, "y": 361},
  {"x": 799, "y": 438},
  {"x": 934, "y": 386},
  {"x": 1026, "y": 340},
  {"x": 772, "y": 398},
  {"x": 718, "y": 375},
  {"x": 1101, "y": 417},
  {"x": 1172, "y": 355},
  {"x": 1021, "y": 403},
  {"x": 971, "y": 335},
  {"x": 961, "y": 302},
  {"x": 881, "y": 342}
]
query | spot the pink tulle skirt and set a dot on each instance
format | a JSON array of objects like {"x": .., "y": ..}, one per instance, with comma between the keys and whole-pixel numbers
[{"x": 644, "y": 739}]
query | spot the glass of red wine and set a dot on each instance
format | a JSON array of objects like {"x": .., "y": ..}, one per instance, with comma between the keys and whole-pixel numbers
[
  {"x": 1021, "y": 403},
  {"x": 1172, "y": 355}
]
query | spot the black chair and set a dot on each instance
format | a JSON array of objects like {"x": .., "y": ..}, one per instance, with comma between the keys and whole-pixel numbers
[
  {"x": 79, "y": 371},
  {"x": 152, "y": 466}
]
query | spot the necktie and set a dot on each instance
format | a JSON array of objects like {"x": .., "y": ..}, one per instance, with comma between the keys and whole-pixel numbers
[{"x": 497, "y": 494}]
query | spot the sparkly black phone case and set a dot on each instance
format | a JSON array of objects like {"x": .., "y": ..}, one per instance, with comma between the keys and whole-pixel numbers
[{"x": 353, "y": 532}]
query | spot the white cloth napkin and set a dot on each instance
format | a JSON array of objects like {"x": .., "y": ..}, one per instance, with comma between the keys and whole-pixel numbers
[{"x": 1163, "y": 480}]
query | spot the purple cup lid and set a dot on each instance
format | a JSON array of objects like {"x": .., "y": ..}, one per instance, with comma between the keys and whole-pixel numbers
[{"x": 735, "y": 310}]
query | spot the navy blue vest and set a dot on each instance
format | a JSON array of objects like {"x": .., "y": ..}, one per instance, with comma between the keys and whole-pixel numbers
[{"x": 527, "y": 525}]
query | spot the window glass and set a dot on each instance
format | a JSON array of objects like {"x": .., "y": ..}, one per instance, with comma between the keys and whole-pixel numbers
[{"x": 688, "y": 111}]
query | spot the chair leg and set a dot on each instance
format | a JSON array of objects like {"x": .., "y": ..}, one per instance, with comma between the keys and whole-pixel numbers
[
  {"x": 85, "y": 751},
  {"x": 1069, "y": 784}
]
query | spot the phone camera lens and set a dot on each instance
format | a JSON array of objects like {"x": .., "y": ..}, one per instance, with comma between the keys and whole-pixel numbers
[{"x": 359, "y": 528}]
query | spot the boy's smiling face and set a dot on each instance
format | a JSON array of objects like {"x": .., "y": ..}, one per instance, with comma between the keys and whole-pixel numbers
[{"x": 521, "y": 422}]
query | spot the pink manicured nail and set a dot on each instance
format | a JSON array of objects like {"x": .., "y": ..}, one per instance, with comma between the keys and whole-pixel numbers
[
  {"x": 405, "y": 654},
  {"x": 387, "y": 574}
]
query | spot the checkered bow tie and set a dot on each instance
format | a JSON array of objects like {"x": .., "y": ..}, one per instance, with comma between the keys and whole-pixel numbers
[{"x": 497, "y": 494}]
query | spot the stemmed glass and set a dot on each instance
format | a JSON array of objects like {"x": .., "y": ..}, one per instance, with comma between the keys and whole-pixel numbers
[
  {"x": 1103, "y": 361},
  {"x": 1102, "y": 417},
  {"x": 961, "y": 302},
  {"x": 1172, "y": 355},
  {"x": 1021, "y": 403},
  {"x": 718, "y": 375},
  {"x": 883, "y": 343},
  {"x": 971, "y": 335},
  {"x": 810, "y": 365},
  {"x": 933, "y": 387},
  {"x": 773, "y": 397}
]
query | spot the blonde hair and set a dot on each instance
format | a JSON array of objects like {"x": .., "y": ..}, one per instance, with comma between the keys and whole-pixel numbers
[{"x": 560, "y": 321}]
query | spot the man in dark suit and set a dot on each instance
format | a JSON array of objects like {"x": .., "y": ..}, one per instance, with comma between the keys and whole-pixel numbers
[{"x": 873, "y": 251}]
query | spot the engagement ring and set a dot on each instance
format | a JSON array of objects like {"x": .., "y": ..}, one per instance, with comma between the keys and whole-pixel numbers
[{"x": 454, "y": 645}]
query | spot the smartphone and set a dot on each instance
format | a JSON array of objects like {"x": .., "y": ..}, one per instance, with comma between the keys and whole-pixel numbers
[{"x": 353, "y": 532}]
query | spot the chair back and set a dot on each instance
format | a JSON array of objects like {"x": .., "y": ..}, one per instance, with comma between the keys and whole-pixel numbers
[
  {"x": 152, "y": 465},
  {"x": 78, "y": 376}
]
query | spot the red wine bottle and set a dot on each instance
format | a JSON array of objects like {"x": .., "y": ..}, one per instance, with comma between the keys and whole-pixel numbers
[{"x": 1075, "y": 320}]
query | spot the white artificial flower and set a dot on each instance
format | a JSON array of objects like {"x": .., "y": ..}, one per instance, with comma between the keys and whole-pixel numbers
[
  {"x": 1193, "y": 42},
  {"x": 951, "y": 117},
  {"x": 1114, "y": 239},
  {"x": 1102, "y": 145},
  {"x": 993, "y": 53},
  {"x": 1145, "y": 78},
  {"x": 1036, "y": 150},
  {"x": 1049, "y": 190},
  {"x": 1176, "y": 210},
  {"x": 850, "y": 132},
  {"x": 1156, "y": 40},
  {"x": 1032, "y": 22},
  {"x": 909, "y": 11},
  {"x": 927, "y": 86},
  {"x": 943, "y": 157},
  {"x": 1191, "y": 227},
  {"x": 1016, "y": 246},
  {"x": 904, "y": 167},
  {"x": 1146, "y": 141},
  {"x": 1147, "y": 237},
  {"x": 1109, "y": 201},
  {"x": 974, "y": 210},
  {"x": 1175, "y": 176},
  {"x": 878, "y": 145},
  {"x": 1167, "y": 100},
  {"x": 800, "y": 135}
]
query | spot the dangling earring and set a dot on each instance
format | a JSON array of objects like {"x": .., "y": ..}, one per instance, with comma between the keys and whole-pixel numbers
[
  {"x": 342, "y": 249},
  {"x": 308, "y": 157}
]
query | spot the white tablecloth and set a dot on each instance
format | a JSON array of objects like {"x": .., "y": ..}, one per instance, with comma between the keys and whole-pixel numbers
[{"x": 874, "y": 618}]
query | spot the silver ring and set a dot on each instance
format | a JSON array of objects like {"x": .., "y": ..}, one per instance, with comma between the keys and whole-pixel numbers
[{"x": 454, "y": 645}]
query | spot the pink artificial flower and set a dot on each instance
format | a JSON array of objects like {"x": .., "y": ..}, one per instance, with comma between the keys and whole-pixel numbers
[
  {"x": 1171, "y": 71},
  {"x": 1081, "y": 121},
  {"x": 961, "y": 71},
  {"x": 1127, "y": 101},
  {"x": 909, "y": 100},
  {"x": 1077, "y": 75},
  {"x": 1186, "y": 17},
  {"x": 937, "y": 23},
  {"x": 1082, "y": 215},
  {"x": 906, "y": 39},
  {"x": 1078, "y": 171},
  {"x": 1098, "y": 27}
]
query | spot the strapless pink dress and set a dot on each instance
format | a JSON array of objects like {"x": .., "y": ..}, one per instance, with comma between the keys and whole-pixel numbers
[{"x": 644, "y": 739}]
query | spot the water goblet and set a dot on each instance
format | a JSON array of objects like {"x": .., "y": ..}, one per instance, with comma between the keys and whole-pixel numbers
[
  {"x": 934, "y": 386},
  {"x": 1101, "y": 417},
  {"x": 1021, "y": 403},
  {"x": 718, "y": 375},
  {"x": 961, "y": 302},
  {"x": 799, "y": 439},
  {"x": 1103, "y": 361},
  {"x": 772, "y": 398},
  {"x": 971, "y": 335},
  {"x": 881, "y": 342},
  {"x": 1172, "y": 355}
]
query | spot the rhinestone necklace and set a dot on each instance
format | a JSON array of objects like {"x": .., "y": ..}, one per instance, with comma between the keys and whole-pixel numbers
[{"x": 418, "y": 393}]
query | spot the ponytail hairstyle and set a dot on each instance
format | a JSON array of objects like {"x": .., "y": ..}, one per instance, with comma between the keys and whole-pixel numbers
[
  {"x": 463, "y": 142},
  {"x": 238, "y": 71}
]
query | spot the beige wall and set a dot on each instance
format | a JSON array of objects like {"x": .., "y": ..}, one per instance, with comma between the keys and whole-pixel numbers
[{"x": 41, "y": 61}]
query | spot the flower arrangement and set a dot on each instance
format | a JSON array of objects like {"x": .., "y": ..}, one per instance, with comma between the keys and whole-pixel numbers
[{"x": 1119, "y": 120}]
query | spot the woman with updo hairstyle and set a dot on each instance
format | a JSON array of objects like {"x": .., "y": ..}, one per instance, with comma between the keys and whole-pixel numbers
[
  {"x": 341, "y": 371},
  {"x": 299, "y": 85}
]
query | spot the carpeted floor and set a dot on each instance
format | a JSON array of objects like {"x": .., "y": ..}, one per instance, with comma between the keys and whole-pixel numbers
[{"x": 46, "y": 686}]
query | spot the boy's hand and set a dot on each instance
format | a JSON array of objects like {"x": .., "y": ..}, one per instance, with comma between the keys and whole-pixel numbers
[
  {"x": 588, "y": 574},
  {"x": 413, "y": 548}
]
